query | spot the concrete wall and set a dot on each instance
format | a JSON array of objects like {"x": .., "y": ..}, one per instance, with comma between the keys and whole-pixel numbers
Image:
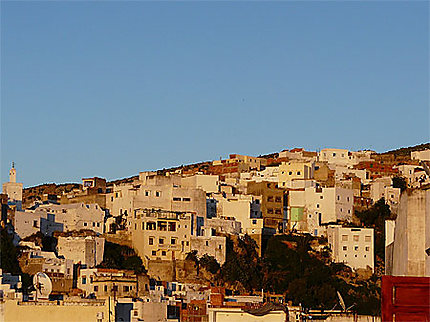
[
  {"x": 236, "y": 315},
  {"x": 411, "y": 234},
  {"x": 213, "y": 246},
  {"x": 90, "y": 311},
  {"x": 86, "y": 250}
]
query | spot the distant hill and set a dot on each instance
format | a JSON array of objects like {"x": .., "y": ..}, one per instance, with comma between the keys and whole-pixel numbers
[
  {"x": 408, "y": 150},
  {"x": 30, "y": 193}
]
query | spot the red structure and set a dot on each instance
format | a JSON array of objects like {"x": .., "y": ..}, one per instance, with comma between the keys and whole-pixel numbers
[{"x": 405, "y": 299}]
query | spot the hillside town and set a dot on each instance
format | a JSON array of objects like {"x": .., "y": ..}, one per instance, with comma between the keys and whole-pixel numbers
[{"x": 295, "y": 235}]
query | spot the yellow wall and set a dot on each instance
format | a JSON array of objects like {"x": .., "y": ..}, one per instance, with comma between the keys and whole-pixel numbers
[{"x": 66, "y": 311}]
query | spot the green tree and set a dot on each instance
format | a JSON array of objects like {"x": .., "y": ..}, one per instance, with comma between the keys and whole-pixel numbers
[
  {"x": 210, "y": 264},
  {"x": 399, "y": 182},
  {"x": 121, "y": 257}
]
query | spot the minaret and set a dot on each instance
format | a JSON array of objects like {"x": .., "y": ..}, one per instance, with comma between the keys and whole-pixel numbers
[
  {"x": 12, "y": 173},
  {"x": 13, "y": 189}
]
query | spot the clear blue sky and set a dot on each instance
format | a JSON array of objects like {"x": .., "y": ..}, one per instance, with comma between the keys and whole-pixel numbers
[{"x": 113, "y": 88}]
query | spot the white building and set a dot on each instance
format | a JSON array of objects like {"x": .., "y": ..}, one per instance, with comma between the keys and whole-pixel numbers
[
  {"x": 49, "y": 262},
  {"x": 164, "y": 235},
  {"x": 421, "y": 155},
  {"x": 335, "y": 156},
  {"x": 158, "y": 192},
  {"x": 295, "y": 171},
  {"x": 352, "y": 246},
  {"x": 312, "y": 208},
  {"x": 207, "y": 183},
  {"x": 51, "y": 217},
  {"x": 87, "y": 250}
]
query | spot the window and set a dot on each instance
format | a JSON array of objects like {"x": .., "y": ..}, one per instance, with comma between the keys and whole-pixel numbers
[
  {"x": 151, "y": 240},
  {"x": 85, "y": 224},
  {"x": 338, "y": 197},
  {"x": 318, "y": 205},
  {"x": 270, "y": 210},
  {"x": 147, "y": 193},
  {"x": 290, "y": 173},
  {"x": 344, "y": 237},
  {"x": 98, "y": 224},
  {"x": 150, "y": 226},
  {"x": 356, "y": 238},
  {"x": 158, "y": 193},
  {"x": 163, "y": 253},
  {"x": 367, "y": 248},
  {"x": 298, "y": 173},
  {"x": 187, "y": 243},
  {"x": 356, "y": 248},
  {"x": 278, "y": 199},
  {"x": 162, "y": 225},
  {"x": 345, "y": 248},
  {"x": 96, "y": 288},
  {"x": 207, "y": 243},
  {"x": 35, "y": 222},
  {"x": 126, "y": 288},
  {"x": 334, "y": 154},
  {"x": 254, "y": 221},
  {"x": 270, "y": 199},
  {"x": 173, "y": 241},
  {"x": 176, "y": 199},
  {"x": 367, "y": 239},
  {"x": 186, "y": 199},
  {"x": 277, "y": 211},
  {"x": 105, "y": 288},
  {"x": 161, "y": 241},
  {"x": 172, "y": 226},
  {"x": 154, "y": 253},
  {"x": 321, "y": 197},
  {"x": 84, "y": 279},
  {"x": 115, "y": 288},
  {"x": 94, "y": 224}
]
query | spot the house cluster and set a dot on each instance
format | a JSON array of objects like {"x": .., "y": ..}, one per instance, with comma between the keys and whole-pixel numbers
[{"x": 167, "y": 215}]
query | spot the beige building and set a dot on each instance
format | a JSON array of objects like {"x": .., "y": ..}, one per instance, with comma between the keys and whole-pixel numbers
[
  {"x": 205, "y": 182},
  {"x": 237, "y": 314},
  {"x": 165, "y": 235},
  {"x": 312, "y": 208},
  {"x": 58, "y": 311},
  {"x": 51, "y": 217},
  {"x": 352, "y": 246},
  {"x": 156, "y": 192},
  {"x": 87, "y": 250},
  {"x": 294, "y": 171},
  {"x": 107, "y": 282},
  {"x": 254, "y": 163},
  {"x": 335, "y": 156},
  {"x": 421, "y": 155}
]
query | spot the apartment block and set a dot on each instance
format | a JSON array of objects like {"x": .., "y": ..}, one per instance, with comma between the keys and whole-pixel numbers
[{"x": 352, "y": 246}]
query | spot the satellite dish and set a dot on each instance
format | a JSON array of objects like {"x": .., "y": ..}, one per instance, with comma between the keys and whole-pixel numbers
[{"x": 43, "y": 285}]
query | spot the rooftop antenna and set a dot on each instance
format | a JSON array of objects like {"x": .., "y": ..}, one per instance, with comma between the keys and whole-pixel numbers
[{"x": 342, "y": 303}]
